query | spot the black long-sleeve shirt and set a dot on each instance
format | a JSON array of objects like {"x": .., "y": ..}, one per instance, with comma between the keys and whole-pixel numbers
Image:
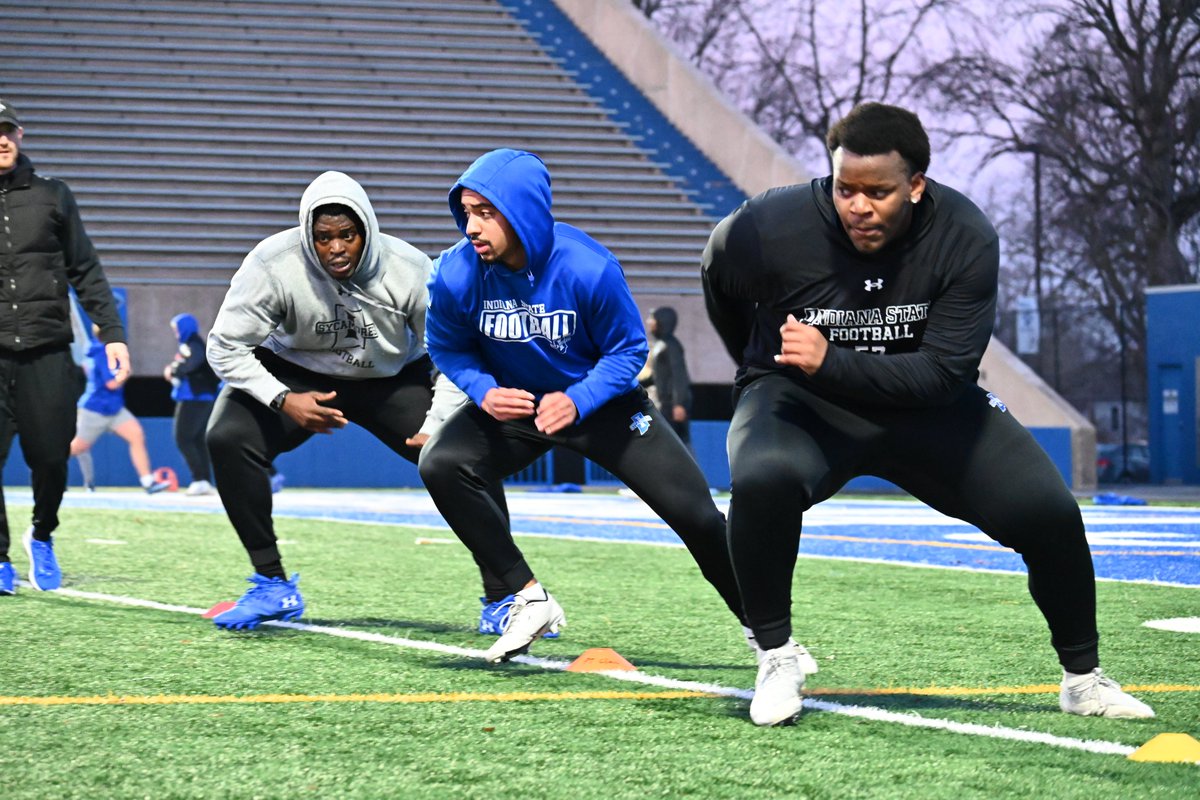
[{"x": 907, "y": 325}]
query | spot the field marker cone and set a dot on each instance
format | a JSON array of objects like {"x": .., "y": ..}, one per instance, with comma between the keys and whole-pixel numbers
[
  {"x": 600, "y": 659},
  {"x": 219, "y": 608},
  {"x": 1173, "y": 747},
  {"x": 167, "y": 474}
]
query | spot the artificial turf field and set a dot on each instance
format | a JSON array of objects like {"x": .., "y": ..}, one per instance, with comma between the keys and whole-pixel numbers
[{"x": 934, "y": 683}]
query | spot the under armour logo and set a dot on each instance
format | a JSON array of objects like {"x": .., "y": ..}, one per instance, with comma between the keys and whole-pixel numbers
[
  {"x": 641, "y": 423},
  {"x": 291, "y": 601},
  {"x": 995, "y": 402},
  {"x": 875, "y": 284}
]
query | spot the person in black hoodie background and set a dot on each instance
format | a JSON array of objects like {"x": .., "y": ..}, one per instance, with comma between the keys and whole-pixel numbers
[
  {"x": 666, "y": 370},
  {"x": 858, "y": 307},
  {"x": 194, "y": 388},
  {"x": 43, "y": 249}
]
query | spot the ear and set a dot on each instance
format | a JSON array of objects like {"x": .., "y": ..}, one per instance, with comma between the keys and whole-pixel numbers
[{"x": 916, "y": 188}]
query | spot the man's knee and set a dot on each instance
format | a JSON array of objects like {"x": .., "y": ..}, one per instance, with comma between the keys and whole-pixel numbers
[{"x": 770, "y": 475}]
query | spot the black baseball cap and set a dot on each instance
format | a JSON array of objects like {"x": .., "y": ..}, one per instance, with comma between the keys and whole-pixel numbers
[{"x": 8, "y": 113}]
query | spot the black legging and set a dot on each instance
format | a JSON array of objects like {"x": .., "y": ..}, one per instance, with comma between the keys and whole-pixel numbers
[
  {"x": 190, "y": 423},
  {"x": 245, "y": 436},
  {"x": 790, "y": 449},
  {"x": 464, "y": 463}
]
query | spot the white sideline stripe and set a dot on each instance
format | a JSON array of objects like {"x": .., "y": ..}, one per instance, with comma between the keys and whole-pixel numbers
[
  {"x": 863, "y": 712},
  {"x": 1177, "y": 624}
]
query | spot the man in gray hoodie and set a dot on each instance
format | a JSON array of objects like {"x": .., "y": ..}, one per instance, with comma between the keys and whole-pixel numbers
[{"x": 323, "y": 324}]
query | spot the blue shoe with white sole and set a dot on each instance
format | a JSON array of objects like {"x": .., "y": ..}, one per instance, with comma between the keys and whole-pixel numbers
[
  {"x": 268, "y": 599},
  {"x": 44, "y": 574}
]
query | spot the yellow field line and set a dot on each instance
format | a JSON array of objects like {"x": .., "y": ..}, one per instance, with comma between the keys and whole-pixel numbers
[
  {"x": 430, "y": 697},
  {"x": 523, "y": 697}
]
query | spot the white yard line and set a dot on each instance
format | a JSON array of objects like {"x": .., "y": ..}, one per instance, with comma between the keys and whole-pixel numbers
[{"x": 862, "y": 712}]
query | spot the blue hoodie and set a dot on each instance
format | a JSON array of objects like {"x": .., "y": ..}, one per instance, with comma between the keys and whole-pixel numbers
[
  {"x": 191, "y": 376},
  {"x": 565, "y": 323}
]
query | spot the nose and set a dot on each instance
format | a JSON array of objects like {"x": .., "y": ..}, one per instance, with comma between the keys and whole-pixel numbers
[
  {"x": 336, "y": 245},
  {"x": 473, "y": 227},
  {"x": 859, "y": 205}
]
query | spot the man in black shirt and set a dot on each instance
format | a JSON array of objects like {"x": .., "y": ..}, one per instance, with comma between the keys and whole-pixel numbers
[{"x": 858, "y": 308}]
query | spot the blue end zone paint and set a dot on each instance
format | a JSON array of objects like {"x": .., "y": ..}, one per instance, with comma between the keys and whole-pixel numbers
[{"x": 612, "y": 90}]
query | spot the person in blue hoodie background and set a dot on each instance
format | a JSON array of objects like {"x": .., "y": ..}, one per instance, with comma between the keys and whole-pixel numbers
[
  {"x": 194, "y": 388},
  {"x": 534, "y": 321}
]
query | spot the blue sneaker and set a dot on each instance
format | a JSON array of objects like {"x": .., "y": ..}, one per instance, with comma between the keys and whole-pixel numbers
[
  {"x": 157, "y": 486},
  {"x": 44, "y": 574},
  {"x": 277, "y": 483},
  {"x": 493, "y": 619},
  {"x": 267, "y": 599},
  {"x": 8, "y": 578}
]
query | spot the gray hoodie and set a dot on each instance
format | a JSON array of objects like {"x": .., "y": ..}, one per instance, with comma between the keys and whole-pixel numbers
[{"x": 368, "y": 326}]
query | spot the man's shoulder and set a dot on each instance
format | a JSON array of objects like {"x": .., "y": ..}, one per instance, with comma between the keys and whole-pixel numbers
[
  {"x": 587, "y": 256},
  {"x": 396, "y": 248},
  {"x": 277, "y": 247},
  {"x": 956, "y": 210}
]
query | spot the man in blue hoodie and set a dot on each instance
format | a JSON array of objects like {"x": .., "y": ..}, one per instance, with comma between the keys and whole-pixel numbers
[
  {"x": 194, "y": 388},
  {"x": 533, "y": 320}
]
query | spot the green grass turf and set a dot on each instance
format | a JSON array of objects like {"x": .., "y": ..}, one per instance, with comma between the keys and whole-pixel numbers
[{"x": 871, "y": 626}]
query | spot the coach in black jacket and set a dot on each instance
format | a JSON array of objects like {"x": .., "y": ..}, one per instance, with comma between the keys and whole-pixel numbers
[{"x": 43, "y": 250}]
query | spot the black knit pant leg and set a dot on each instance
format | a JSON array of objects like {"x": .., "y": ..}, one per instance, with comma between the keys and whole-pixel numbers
[
  {"x": 44, "y": 388},
  {"x": 656, "y": 465},
  {"x": 244, "y": 437},
  {"x": 189, "y": 426},
  {"x": 463, "y": 466},
  {"x": 788, "y": 450},
  {"x": 8, "y": 429},
  {"x": 977, "y": 463}
]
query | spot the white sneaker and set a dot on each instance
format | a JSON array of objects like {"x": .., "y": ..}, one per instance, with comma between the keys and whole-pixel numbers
[
  {"x": 1094, "y": 694},
  {"x": 198, "y": 488},
  {"x": 777, "y": 699},
  {"x": 534, "y": 612},
  {"x": 808, "y": 664}
]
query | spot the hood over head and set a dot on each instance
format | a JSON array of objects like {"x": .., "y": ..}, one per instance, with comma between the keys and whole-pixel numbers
[
  {"x": 338, "y": 187},
  {"x": 186, "y": 326},
  {"x": 667, "y": 319},
  {"x": 517, "y": 183}
]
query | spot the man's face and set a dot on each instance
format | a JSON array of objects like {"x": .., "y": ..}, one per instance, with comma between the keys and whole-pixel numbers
[
  {"x": 490, "y": 233},
  {"x": 874, "y": 197},
  {"x": 10, "y": 146},
  {"x": 339, "y": 245}
]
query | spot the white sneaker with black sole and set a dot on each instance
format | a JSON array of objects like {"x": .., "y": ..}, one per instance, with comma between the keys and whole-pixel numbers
[
  {"x": 777, "y": 699},
  {"x": 534, "y": 612},
  {"x": 1094, "y": 694}
]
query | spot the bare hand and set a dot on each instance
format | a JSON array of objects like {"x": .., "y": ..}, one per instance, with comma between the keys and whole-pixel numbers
[
  {"x": 803, "y": 346},
  {"x": 508, "y": 404},
  {"x": 679, "y": 414},
  {"x": 118, "y": 361},
  {"x": 555, "y": 412},
  {"x": 307, "y": 410},
  {"x": 417, "y": 440}
]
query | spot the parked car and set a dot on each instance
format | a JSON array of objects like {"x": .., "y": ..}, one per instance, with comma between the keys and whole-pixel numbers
[{"x": 1115, "y": 464}]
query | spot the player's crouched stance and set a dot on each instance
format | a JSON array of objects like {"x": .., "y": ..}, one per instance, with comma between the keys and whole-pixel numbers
[
  {"x": 858, "y": 307},
  {"x": 322, "y": 325}
]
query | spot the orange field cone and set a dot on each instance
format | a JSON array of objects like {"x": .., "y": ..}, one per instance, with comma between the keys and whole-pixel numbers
[
  {"x": 167, "y": 474},
  {"x": 600, "y": 659},
  {"x": 1173, "y": 747},
  {"x": 219, "y": 608}
]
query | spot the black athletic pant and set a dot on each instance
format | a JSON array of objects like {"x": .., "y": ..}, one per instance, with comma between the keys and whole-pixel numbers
[
  {"x": 790, "y": 449},
  {"x": 38, "y": 392},
  {"x": 189, "y": 425},
  {"x": 245, "y": 436},
  {"x": 467, "y": 460}
]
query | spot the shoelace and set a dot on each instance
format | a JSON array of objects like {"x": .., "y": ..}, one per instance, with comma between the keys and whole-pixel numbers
[
  {"x": 778, "y": 663},
  {"x": 40, "y": 564},
  {"x": 506, "y": 617}
]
